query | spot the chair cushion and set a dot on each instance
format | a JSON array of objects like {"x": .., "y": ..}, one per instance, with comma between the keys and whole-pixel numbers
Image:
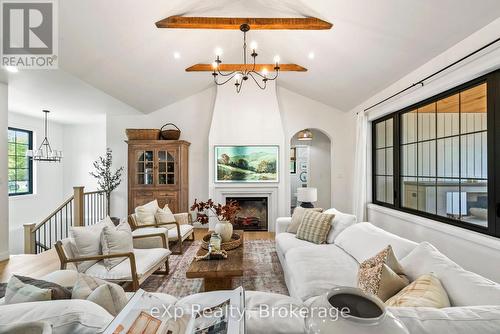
[
  {"x": 339, "y": 223},
  {"x": 464, "y": 288},
  {"x": 145, "y": 260},
  {"x": 185, "y": 230},
  {"x": 116, "y": 240},
  {"x": 313, "y": 271},
  {"x": 153, "y": 242},
  {"x": 286, "y": 241},
  {"x": 364, "y": 240},
  {"x": 456, "y": 320},
  {"x": 65, "y": 316}
]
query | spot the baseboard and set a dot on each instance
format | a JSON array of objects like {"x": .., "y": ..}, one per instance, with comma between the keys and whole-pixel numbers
[{"x": 4, "y": 256}]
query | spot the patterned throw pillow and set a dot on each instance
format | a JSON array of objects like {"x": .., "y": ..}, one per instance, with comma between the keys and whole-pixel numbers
[
  {"x": 109, "y": 295},
  {"x": 315, "y": 227},
  {"x": 298, "y": 215},
  {"x": 425, "y": 291},
  {"x": 19, "y": 292},
  {"x": 382, "y": 275}
]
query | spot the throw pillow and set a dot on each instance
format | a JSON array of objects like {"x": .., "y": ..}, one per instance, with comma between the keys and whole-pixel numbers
[
  {"x": 87, "y": 242},
  {"x": 19, "y": 292},
  {"x": 57, "y": 291},
  {"x": 425, "y": 291},
  {"x": 145, "y": 214},
  {"x": 297, "y": 216},
  {"x": 108, "y": 295},
  {"x": 382, "y": 275},
  {"x": 315, "y": 227},
  {"x": 116, "y": 240},
  {"x": 164, "y": 216},
  {"x": 339, "y": 223}
]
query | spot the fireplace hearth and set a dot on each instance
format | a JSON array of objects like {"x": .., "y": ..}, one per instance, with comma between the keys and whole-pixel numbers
[{"x": 253, "y": 215}]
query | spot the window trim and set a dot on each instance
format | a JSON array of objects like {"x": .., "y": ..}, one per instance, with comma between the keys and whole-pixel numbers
[
  {"x": 493, "y": 150},
  {"x": 30, "y": 163}
]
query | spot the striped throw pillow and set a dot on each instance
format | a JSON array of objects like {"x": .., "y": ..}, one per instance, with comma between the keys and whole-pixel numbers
[{"x": 315, "y": 226}]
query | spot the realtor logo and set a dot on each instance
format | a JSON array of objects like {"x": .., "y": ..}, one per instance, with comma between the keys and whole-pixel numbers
[{"x": 29, "y": 34}]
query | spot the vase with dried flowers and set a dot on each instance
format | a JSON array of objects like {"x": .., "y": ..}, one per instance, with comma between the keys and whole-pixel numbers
[{"x": 224, "y": 213}]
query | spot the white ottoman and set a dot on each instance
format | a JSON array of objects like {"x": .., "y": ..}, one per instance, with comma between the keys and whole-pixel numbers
[{"x": 265, "y": 312}]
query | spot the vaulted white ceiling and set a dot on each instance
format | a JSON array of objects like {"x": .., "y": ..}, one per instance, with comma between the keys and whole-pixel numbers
[{"x": 115, "y": 46}]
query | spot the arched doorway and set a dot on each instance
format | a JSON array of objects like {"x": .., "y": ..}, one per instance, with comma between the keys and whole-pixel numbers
[{"x": 310, "y": 166}]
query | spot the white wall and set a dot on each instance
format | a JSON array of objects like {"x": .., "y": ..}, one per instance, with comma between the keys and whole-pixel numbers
[
  {"x": 471, "y": 250},
  {"x": 4, "y": 206},
  {"x": 192, "y": 115},
  {"x": 300, "y": 112},
  {"x": 83, "y": 144},
  {"x": 47, "y": 186}
]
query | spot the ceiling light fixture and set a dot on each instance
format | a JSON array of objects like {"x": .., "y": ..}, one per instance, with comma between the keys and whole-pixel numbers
[
  {"x": 311, "y": 55},
  {"x": 247, "y": 71},
  {"x": 11, "y": 69},
  {"x": 177, "y": 55},
  {"x": 45, "y": 152},
  {"x": 304, "y": 135}
]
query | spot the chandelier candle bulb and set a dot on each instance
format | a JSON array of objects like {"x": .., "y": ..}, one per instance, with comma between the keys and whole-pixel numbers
[{"x": 277, "y": 61}]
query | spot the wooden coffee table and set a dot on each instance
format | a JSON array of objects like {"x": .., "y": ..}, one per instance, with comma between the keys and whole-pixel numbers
[{"x": 218, "y": 274}]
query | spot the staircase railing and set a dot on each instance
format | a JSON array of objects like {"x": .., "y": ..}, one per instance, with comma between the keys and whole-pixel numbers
[{"x": 81, "y": 209}]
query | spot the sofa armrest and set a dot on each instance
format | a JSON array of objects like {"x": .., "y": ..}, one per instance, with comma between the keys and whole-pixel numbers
[{"x": 282, "y": 224}]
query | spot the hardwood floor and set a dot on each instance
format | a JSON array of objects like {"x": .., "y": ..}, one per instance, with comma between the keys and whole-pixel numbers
[{"x": 39, "y": 265}]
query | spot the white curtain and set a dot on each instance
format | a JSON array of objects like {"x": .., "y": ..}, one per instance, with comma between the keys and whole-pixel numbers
[{"x": 360, "y": 167}]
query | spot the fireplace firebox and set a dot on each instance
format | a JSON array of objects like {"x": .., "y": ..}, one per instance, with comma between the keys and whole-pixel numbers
[{"x": 253, "y": 215}]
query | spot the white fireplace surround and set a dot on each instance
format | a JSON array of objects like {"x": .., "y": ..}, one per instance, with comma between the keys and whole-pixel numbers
[{"x": 271, "y": 193}]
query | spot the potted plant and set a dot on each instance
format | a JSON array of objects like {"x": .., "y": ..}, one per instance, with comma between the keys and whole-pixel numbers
[
  {"x": 107, "y": 180},
  {"x": 224, "y": 213}
]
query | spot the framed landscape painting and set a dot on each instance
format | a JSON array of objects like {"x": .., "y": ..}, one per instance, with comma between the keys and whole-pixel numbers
[{"x": 246, "y": 163}]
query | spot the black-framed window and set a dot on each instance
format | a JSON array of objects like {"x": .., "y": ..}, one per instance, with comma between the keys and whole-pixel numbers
[
  {"x": 20, "y": 167},
  {"x": 444, "y": 157}
]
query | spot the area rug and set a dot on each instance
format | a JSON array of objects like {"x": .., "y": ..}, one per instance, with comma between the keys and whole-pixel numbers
[{"x": 263, "y": 273}]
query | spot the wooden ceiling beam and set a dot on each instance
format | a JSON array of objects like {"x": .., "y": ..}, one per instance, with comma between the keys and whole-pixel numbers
[
  {"x": 234, "y": 23},
  {"x": 238, "y": 67}
]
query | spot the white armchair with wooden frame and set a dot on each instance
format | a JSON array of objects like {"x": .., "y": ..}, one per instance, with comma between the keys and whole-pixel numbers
[
  {"x": 135, "y": 269},
  {"x": 178, "y": 231}
]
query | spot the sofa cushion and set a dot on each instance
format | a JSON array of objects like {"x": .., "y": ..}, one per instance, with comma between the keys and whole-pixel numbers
[
  {"x": 286, "y": 241},
  {"x": 464, "y": 288},
  {"x": 145, "y": 260},
  {"x": 364, "y": 240},
  {"x": 339, "y": 223},
  {"x": 65, "y": 316},
  {"x": 315, "y": 227},
  {"x": 313, "y": 271},
  {"x": 456, "y": 320},
  {"x": 425, "y": 291}
]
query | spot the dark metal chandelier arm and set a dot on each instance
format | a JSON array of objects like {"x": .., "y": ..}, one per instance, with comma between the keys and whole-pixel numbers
[
  {"x": 226, "y": 81},
  {"x": 257, "y": 82},
  {"x": 225, "y": 74},
  {"x": 238, "y": 87}
]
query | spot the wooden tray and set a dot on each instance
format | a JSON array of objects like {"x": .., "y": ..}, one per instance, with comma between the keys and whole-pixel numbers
[{"x": 235, "y": 242}]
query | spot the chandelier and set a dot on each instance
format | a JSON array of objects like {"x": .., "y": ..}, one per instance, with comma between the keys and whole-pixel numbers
[
  {"x": 45, "y": 152},
  {"x": 246, "y": 72}
]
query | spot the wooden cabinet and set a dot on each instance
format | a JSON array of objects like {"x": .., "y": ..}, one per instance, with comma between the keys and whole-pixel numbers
[{"x": 158, "y": 169}]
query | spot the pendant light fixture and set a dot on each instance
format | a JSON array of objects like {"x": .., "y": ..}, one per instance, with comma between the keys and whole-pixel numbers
[
  {"x": 45, "y": 151},
  {"x": 305, "y": 135},
  {"x": 247, "y": 71}
]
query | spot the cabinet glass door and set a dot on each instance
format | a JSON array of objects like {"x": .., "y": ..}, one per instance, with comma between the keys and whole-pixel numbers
[
  {"x": 144, "y": 167},
  {"x": 166, "y": 167}
]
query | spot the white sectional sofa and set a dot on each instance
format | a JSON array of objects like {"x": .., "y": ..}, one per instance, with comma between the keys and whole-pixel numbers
[{"x": 312, "y": 270}]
